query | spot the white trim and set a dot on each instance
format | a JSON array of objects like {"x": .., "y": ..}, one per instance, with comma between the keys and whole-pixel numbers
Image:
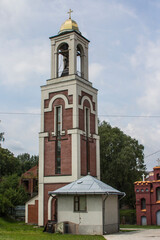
[
  {"x": 41, "y": 205},
  {"x": 89, "y": 100},
  {"x": 67, "y": 105},
  {"x": 43, "y": 134},
  {"x": 75, "y": 131},
  {"x": 98, "y": 157},
  {"x": 60, "y": 179},
  {"x": 97, "y": 137},
  {"x": 50, "y": 207}
]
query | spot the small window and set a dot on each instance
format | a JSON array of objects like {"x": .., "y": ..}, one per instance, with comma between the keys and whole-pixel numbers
[
  {"x": 80, "y": 204},
  {"x": 147, "y": 190},
  {"x": 142, "y": 190},
  {"x": 137, "y": 190},
  {"x": 58, "y": 141},
  {"x": 158, "y": 176},
  {"x": 143, "y": 203},
  {"x": 158, "y": 193}
]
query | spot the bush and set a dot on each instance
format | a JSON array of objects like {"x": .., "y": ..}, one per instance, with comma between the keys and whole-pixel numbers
[{"x": 127, "y": 216}]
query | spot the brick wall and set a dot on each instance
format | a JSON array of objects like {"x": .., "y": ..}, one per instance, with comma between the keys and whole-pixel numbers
[
  {"x": 33, "y": 213},
  {"x": 147, "y": 190}
]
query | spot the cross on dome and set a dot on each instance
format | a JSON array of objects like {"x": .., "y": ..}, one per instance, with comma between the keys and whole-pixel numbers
[
  {"x": 70, "y": 11},
  {"x": 143, "y": 177}
]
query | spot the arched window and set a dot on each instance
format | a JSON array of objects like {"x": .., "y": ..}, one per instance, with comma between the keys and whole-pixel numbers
[
  {"x": 143, "y": 203},
  {"x": 63, "y": 60},
  {"x": 158, "y": 176},
  {"x": 158, "y": 193},
  {"x": 80, "y": 61},
  {"x": 158, "y": 217}
]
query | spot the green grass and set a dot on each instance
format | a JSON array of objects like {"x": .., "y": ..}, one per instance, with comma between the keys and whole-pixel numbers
[
  {"x": 139, "y": 226},
  {"x": 11, "y": 230}
]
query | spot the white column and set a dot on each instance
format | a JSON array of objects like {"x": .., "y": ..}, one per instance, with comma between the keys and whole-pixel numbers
[
  {"x": 41, "y": 179},
  {"x": 76, "y": 154}
]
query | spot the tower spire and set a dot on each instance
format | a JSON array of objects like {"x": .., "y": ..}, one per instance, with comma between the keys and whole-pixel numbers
[{"x": 70, "y": 11}]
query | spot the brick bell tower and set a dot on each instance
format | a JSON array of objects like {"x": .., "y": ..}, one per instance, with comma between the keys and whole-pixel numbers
[{"x": 68, "y": 140}]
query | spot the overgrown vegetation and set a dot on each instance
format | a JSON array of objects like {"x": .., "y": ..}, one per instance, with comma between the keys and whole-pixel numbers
[
  {"x": 11, "y": 230},
  {"x": 11, "y": 168},
  {"x": 128, "y": 216}
]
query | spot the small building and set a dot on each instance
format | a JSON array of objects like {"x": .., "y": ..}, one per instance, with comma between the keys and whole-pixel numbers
[
  {"x": 148, "y": 199},
  {"x": 88, "y": 206},
  {"x": 29, "y": 180}
]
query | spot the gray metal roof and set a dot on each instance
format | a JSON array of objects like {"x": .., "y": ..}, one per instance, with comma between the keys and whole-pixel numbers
[{"x": 87, "y": 185}]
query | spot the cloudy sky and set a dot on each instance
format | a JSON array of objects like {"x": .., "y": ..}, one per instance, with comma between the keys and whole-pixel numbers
[{"x": 124, "y": 63}]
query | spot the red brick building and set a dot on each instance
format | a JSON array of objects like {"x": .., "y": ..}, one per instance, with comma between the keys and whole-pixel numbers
[
  {"x": 68, "y": 140},
  {"x": 148, "y": 199},
  {"x": 29, "y": 180}
]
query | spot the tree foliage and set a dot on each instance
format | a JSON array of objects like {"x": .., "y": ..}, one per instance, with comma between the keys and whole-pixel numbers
[
  {"x": 122, "y": 160},
  {"x": 1, "y": 138},
  {"x": 8, "y": 163},
  {"x": 11, "y": 193},
  {"x": 27, "y": 161},
  {"x": 11, "y": 168}
]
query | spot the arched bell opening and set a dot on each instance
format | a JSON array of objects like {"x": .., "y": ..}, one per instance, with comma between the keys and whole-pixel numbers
[
  {"x": 63, "y": 60},
  {"x": 80, "y": 61}
]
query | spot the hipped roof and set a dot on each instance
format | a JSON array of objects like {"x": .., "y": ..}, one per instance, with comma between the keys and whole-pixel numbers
[{"x": 87, "y": 185}]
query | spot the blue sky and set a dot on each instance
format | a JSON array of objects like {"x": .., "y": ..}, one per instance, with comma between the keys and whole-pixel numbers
[{"x": 124, "y": 64}]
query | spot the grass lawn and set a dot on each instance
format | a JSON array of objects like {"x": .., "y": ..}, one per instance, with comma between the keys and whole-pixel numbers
[
  {"x": 139, "y": 226},
  {"x": 11, "y": 230}
]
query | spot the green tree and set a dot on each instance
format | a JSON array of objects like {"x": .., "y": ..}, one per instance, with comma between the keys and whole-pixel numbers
[
  {"x": 11, "y": 193},
  {"x": 27, "y": 161},
  {"x": 122, "y": 160},
  {"x": 8, "y": 163},
  {"x": 1, "y": 138}
]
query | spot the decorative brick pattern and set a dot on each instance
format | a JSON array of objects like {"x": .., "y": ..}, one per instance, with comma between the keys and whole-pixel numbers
[{"x": 147, "y": 190}]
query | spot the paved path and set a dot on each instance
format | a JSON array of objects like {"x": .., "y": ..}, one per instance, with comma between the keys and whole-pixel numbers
[{"x": 147, "y": 234}]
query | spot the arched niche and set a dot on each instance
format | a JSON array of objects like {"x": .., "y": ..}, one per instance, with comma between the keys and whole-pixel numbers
[
  {"x": 63, "y": 60},
  {"x": 80, "y": 61},
  {"x": 158, "y": 194},
  {"x": 143, "y": 203}
]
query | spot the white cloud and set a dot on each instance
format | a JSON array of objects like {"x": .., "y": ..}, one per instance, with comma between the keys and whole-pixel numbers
[
  {"x": 18, "y": 62},
  {"x": 95, "y": 70},
  {"x": 146, "y": 62},
  {"x": 21, "y": 132}
]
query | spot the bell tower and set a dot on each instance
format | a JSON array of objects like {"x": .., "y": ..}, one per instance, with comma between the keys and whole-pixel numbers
[{"x": 68, "y": 140}]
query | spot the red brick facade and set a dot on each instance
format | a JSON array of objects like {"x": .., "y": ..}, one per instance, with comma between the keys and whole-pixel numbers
[
  {"x": 146, "y": 191},
  {"x": 33, "y": 213},
  {"x": 29, "y": 180}
]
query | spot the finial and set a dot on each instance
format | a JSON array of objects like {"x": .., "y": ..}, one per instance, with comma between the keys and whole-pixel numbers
[
  {"x": 158, "y": 161},
  {"x": 70, "y": 11},
  {"x": 143, "y": 177}
]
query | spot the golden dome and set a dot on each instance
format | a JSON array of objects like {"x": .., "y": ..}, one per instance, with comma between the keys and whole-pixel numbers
[{"x": 69, "y": 25}]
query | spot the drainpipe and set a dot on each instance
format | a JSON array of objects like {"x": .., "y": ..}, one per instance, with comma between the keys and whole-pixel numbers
[
  {"x": 119, "y": 209},
  {"x": 104, "y": 211}
]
